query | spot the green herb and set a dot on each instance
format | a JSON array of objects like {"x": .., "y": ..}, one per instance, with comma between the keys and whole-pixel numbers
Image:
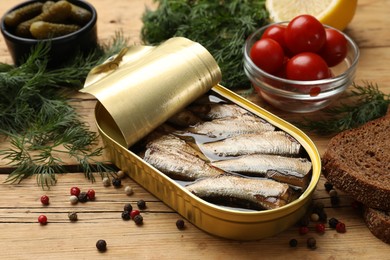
[
  {"x": 39, "y": 122},
  {"x": 358, "y": 106},
  {"x": 220, "y": 26}
]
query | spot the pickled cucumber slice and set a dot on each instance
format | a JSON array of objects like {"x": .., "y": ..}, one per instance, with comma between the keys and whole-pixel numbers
[{"x": 46, "y": 30}]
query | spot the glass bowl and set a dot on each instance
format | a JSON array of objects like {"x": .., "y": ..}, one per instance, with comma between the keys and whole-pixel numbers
[{"x": 300, "y": 96}]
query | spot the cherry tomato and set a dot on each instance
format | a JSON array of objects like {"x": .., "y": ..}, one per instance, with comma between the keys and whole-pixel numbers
[
  {"x": 307, "y": 66},
  {"x": 305, "y": 33},
  {"x": 276, "y": 32},
  {"x": 335, "y": 48},
  {"x": 267, "y": 54}
]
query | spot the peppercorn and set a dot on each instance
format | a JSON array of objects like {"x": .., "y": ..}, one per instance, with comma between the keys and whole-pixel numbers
[
  {"x": 83, "y": 197},
  {"x": 180, "y": 224},
  {"x": 72, "y": 216},
  {"x": 128, "y": 190},
  {"x": 45, "y": 200},
  {"x": 322, "y": 216},
  {"x": 42, "y": 219},
  {"x": 91, "y": 194},
  {"x": 303, "y": 230},
  {"x": 311, "y": 243},
  {"x": 333, "y": 193},
  {"x": 73, "y": 199},
  {"x": 318, "y": 206},
  {"x": 125, "y": 215},
  {"x": 128, "y": 207},
  {"x": 106, "y": 182},
  {"x": 293, "y": 242},
  {"x": 121, "y": 174},
  {"x": 116, "y": 182},
  {"x": 304, "y": 221},
  {"x": 141, "y": 204},
  {"x": 101, "y": 245},
  {"x": 328, "y": 186},
  {"x": 333, "y": 222},
  {"x": 340, "y": 227},
  {"x": 335, "y": 200},
  {"x": 138, "y": 219},
  {"x": 134, "y": 213},
  {"x": 314, "y": 217},
  {"x": 75, "y": 191},
  {"x": 320, "y": 228}
]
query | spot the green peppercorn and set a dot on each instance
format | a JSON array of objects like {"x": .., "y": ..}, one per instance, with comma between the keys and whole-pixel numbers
[
  {"x": 138, "y": 219},
  {"x": 101, "y": 245},
  {"x": 293, "y": 242},
  {"x": 180, "y": 224},
  {"x": 141, "y": 204},
  {"x": 72, "y": 216},
  {"x": 311, "y": 243},
  {"x": 128, "y": 207},
  {"x": 116, "y": 182},
  {"x": 83, "y": 197},
  {"x": 126, "y": 215}
]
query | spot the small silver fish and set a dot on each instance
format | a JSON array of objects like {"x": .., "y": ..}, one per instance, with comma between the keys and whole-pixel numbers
[
  {"x": 218, "y": 110},
  {"x": 177, "y": 159},
  {"x": 232, "y": 126},
  {"x": 293, "y": 171},
  {"x": 184, "y": 118},
  {"x": 252, "y": 193},
  {"x": 268, "y": 142}
]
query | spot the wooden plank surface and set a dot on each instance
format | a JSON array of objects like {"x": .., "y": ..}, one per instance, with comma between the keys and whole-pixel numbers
[{"x": 23, "y": 238}]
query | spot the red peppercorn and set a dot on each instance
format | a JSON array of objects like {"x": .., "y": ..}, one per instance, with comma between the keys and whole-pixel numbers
[
  {"x": 303, "y": 230},
  {"x": 320, "y": 228},
  {"x": 74, "y": 191},
  {"x": 45, "y": 200},
  {"x": 340, "y": 227},
  {"x": 91, "y": 194},
  {"x": 42, "y": 219},
  {"x": 134, "y": 213}
]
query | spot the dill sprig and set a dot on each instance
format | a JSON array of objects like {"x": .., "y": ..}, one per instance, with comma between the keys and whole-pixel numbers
[
  {"x": 220, "y": 26},
  {"x": 358, "y": 106},
  {"x": 39, "y": 122}
]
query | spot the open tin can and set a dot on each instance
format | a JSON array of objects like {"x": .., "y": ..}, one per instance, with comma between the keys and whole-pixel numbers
[{"x": 142, "y": 88}]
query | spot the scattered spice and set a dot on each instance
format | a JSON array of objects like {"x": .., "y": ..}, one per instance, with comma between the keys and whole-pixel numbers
[
  {"x": 101, "y": 245},
  {"x": 83, "y": 197},
  {"x": 320, "y": 228},
  {"x": 42, "y": 219},
  {"x": 72, "y": 216},
  {"x": 138, "y": 219},
  {"x": 303, "y": 230},
  {"x": 129, "y": 190},
  {"x": 293, "y": 242},
  {"x": 128, "y": 207},
  {"x": 141, "y": 204},
  {"x": 106, "y": 182},
  {"x": 333, "y": 193},
  {"x": 311, "y": 243},
  {"x": 134, "y": 213},
  {"x": 335, "y": 200},
  {"x": 121, "y": 174},
  {"x": 73, "y": 199},
  {"x": 91, "y": 194},
  {"x": 75, "y": 191},
  {"x": 116, "y": 182},
  {"x": 340, "y": 227},
  {"x": 328, "y": 186},
  {"x": 125, "y": 215},
  {"x": 314, "y": 217},
  {"x": 333, "y": 222},
  {"x": 45, "y": 200},
  {"x": 180, "y": 224}
]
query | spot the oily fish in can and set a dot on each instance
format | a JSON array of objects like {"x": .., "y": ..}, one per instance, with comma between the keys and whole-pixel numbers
[{"x": 227, "y": 155}]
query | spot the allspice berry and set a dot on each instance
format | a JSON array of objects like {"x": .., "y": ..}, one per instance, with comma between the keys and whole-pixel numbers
[{"x": 101, "y": 245}]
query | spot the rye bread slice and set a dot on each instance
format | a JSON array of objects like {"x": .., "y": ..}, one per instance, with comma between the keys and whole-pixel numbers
[
  {"x": 357, "y": 161},
  {"x": 378, "y": 222}
]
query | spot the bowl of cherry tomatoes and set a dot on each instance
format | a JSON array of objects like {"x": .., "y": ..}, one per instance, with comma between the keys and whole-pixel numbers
[{"x": 301, "y": 65}]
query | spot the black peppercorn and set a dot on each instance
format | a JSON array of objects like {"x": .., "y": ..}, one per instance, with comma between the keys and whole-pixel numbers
[
  {"x": 101, "y": 245},
  {"x": 116, "y": 182},
  {"x": 180, "y": 224},
  {"x": 72, "y": 216},
  {"x": 333, "y": 222},
  {"x": 141, "y": 204},
  {"x": 311, "y": 243},
  {"x": 328, "y": 186},
  {"x": 83, "y": 197},
  {"x": 138, "y": 219},
  {"x": 335, "y": 200},
  {"x": 293, "y": 242},
  {"x": 126, "y": 215},
  {"x": 128, "y": 207}
]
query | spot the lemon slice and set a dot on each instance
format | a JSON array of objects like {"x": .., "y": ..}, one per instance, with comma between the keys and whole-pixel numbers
[{"x": 335, "y": 13}]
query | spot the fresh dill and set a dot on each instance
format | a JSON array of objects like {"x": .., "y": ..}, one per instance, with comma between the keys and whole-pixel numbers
[
  {"x": 361, "y": 104},
  {"x": 220, "y": 26},
  {"x": 38, "y": 121}
]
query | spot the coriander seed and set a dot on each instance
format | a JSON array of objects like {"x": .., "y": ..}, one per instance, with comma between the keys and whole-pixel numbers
[
  {"x": 101, "y": 245},
  {"x": 72, "y": 216}
]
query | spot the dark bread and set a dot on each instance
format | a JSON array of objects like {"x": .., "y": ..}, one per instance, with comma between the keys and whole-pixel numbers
[
  {"x": 378, "y": 222},
  {"x": 357, "y": 161}
]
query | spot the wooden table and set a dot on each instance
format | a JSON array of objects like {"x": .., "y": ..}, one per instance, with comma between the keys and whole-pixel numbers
[{"x": 23, "y": 238}]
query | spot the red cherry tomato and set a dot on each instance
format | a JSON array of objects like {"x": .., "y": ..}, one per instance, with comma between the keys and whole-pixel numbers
[
  {"x": 276, "y": 32},
  {"x": 305, "y": 33},
  {"x": 267, "y": 54},
  {"x": 335, "y": 48},
  {"x": 307, "y": 66}
]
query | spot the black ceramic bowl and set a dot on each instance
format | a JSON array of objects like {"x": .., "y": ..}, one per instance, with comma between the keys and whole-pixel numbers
[{"x": 61, "y": 47}]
